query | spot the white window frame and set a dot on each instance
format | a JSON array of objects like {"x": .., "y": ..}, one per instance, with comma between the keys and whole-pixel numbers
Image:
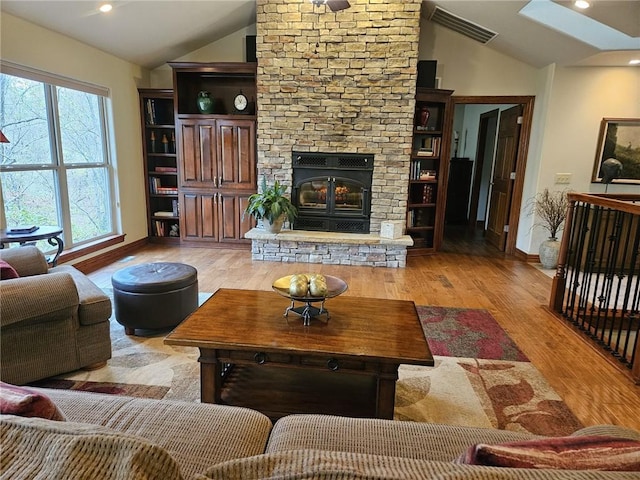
[{"x": 57, "y": 165}]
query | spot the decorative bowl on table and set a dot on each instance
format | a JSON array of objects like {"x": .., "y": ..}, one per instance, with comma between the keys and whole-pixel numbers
[{"x": 334, "y": 287}]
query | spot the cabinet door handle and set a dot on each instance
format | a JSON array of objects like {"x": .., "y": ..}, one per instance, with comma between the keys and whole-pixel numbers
[
  {"x": 215, "y": 181},
  {"x": 260, "y": 358}
]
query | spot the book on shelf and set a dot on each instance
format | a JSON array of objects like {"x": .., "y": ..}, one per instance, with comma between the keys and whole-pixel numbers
[
  {"x": 430, "y": 146},
  {"x": 167, "y": 190},
  {"x": 418, "y": 173},
  {"x": 156, "y": 187},
  {"x": 166, "y": 169},
  {"x": 174, "y": 208},
  {"x": 410, "y": 215},
  {"x": 151, "y": 111},
  {"x": 427, "y": 194},
  {"x": 162, "y": 213},
  {"x": 427, "y": 175},
  {"x": 425, "y": 152},
  {"x": 160, "y": 228}
]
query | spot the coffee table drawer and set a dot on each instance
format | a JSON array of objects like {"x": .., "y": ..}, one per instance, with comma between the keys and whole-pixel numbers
[
  {"x": 241, "y": 356},
  {"x": 332, "y": 363},
  {"x": 263, "y": 358}
]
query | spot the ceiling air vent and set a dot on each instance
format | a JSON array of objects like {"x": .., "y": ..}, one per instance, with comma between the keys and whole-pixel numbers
[{"x": 463, "y": 26}]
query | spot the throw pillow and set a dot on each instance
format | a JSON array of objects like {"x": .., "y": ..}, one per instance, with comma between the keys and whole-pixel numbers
[
  {"x": 25, "y": 402},
  {"x": 561, "y": 453},
  {"x": 7, "y": 271}
]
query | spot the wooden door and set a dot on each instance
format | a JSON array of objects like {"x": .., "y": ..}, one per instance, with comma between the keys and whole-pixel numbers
[
  {"x": 237, "y": 154},
  {"x": 503, "y": 176},
  {"x": 198, "y": 153},
  {"x": 484, "y": 156}
]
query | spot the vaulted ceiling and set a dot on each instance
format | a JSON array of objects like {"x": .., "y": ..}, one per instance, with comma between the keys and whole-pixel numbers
[{"x": 152, "y": 32}]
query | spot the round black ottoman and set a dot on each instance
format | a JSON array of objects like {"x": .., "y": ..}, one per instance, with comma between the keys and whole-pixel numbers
[{"x": 154, "y": 296}]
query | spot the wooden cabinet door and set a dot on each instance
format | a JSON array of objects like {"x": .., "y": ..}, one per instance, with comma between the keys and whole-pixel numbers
[
  {"x": 210, "y": 221},
  {"x": 199, "y": 217},
  {"x": 232, "y": 225},
  {"x": 229, "y": 217},
  {"x": 236, "y": 154},
  {"x": 198, "y": 153},
  {"x": 190, "y": 216}
]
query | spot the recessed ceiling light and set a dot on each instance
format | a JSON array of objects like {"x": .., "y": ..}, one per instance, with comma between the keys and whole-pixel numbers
[
  {"x": 107, "y": 7},
  {"x": 634, "y": 62},
  {"x": 582, "y": 4}
]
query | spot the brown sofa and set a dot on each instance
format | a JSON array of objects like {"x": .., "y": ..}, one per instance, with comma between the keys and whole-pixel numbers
[
  {"x": 53, "y": 320},
  {"x": 112, "y": 437}
]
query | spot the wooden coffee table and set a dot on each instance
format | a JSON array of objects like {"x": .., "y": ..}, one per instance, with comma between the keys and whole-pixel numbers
[{"x": 253, "y": 356}]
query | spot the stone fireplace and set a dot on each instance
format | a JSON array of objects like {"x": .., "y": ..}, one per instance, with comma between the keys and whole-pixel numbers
[{"x": 336, "y": 83}]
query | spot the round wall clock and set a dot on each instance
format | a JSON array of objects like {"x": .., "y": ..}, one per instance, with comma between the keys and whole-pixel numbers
[{"x": 240, "y": 102}]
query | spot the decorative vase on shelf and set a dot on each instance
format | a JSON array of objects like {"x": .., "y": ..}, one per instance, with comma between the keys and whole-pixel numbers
[
  {"x": 549, "y": 252},
  {"x": 424, "y": 117},
  {"x": 205, "y": 102}
]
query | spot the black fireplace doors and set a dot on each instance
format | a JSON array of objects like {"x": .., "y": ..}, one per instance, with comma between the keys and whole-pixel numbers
[{"x": 332, "y": 191}]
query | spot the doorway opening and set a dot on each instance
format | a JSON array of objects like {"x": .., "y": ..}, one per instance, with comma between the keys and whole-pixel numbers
[{"x": 486, "y": 175}]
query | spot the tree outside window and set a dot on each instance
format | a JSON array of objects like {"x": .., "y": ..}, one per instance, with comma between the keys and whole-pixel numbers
[{"x": 56, "y": 169}]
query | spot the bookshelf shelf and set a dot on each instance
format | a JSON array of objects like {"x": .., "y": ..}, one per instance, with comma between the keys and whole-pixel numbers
[
  {"x": 161, "y": 166},
  {"x": 428, "y": 169}
]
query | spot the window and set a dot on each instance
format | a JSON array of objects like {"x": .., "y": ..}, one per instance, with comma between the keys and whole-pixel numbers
[{"x": 56, "y": 168}]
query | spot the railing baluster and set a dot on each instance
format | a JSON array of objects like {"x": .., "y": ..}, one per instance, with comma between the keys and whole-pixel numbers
[{"x": 597, "y": 282}]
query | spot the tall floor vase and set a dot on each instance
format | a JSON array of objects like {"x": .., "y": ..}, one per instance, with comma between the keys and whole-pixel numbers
[{"x": 549, "y": 253}]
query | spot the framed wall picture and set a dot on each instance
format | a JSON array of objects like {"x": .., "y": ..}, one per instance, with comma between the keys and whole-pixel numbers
[{"x": 619, "y": 139}]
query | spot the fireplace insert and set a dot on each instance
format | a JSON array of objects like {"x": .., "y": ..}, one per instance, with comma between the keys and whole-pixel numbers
[{"x": 332, "y": 191}]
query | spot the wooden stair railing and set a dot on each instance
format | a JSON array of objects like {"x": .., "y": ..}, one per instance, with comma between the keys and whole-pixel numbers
[{"x": 597, "y": 282}]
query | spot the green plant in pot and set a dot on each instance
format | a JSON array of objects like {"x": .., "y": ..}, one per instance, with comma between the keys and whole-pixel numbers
[
  {"x": 271, "y": 206},
  {"x": 551, "y": 210}
]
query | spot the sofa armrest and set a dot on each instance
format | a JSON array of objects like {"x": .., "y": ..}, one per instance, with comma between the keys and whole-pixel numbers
[
  {"x": 608, "y": 431},
  {"x": 27, "y": 260},
  {"x": 95, "y": 306},
  {"x": 36, "y": 299}
]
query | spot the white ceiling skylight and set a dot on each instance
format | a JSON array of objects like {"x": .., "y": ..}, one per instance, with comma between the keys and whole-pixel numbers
[{"x": 578, "y": 26}]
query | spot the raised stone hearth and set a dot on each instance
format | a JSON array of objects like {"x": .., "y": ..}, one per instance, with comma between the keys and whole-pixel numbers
[{"x": 329, "y": 248}]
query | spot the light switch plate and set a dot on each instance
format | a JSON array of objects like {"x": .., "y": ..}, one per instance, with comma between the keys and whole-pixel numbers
[{"x": 563, "y": 178}]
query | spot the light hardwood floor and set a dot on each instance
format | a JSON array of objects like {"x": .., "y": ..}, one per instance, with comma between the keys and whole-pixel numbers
[{"x": 465, "y": 274}]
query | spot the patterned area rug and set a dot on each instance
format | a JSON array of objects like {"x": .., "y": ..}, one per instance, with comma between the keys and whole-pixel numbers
[
  {"x": 497, "y": 392},
  {"x": 467, "y": 332}
]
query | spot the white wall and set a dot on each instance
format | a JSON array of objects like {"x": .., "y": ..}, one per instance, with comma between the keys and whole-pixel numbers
[
  {"x": 29, "y": 45},
  {"x": 470, "y": 68},
  {"x": 579, "y": 98},
  {"x": 228, "y": 49}
]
